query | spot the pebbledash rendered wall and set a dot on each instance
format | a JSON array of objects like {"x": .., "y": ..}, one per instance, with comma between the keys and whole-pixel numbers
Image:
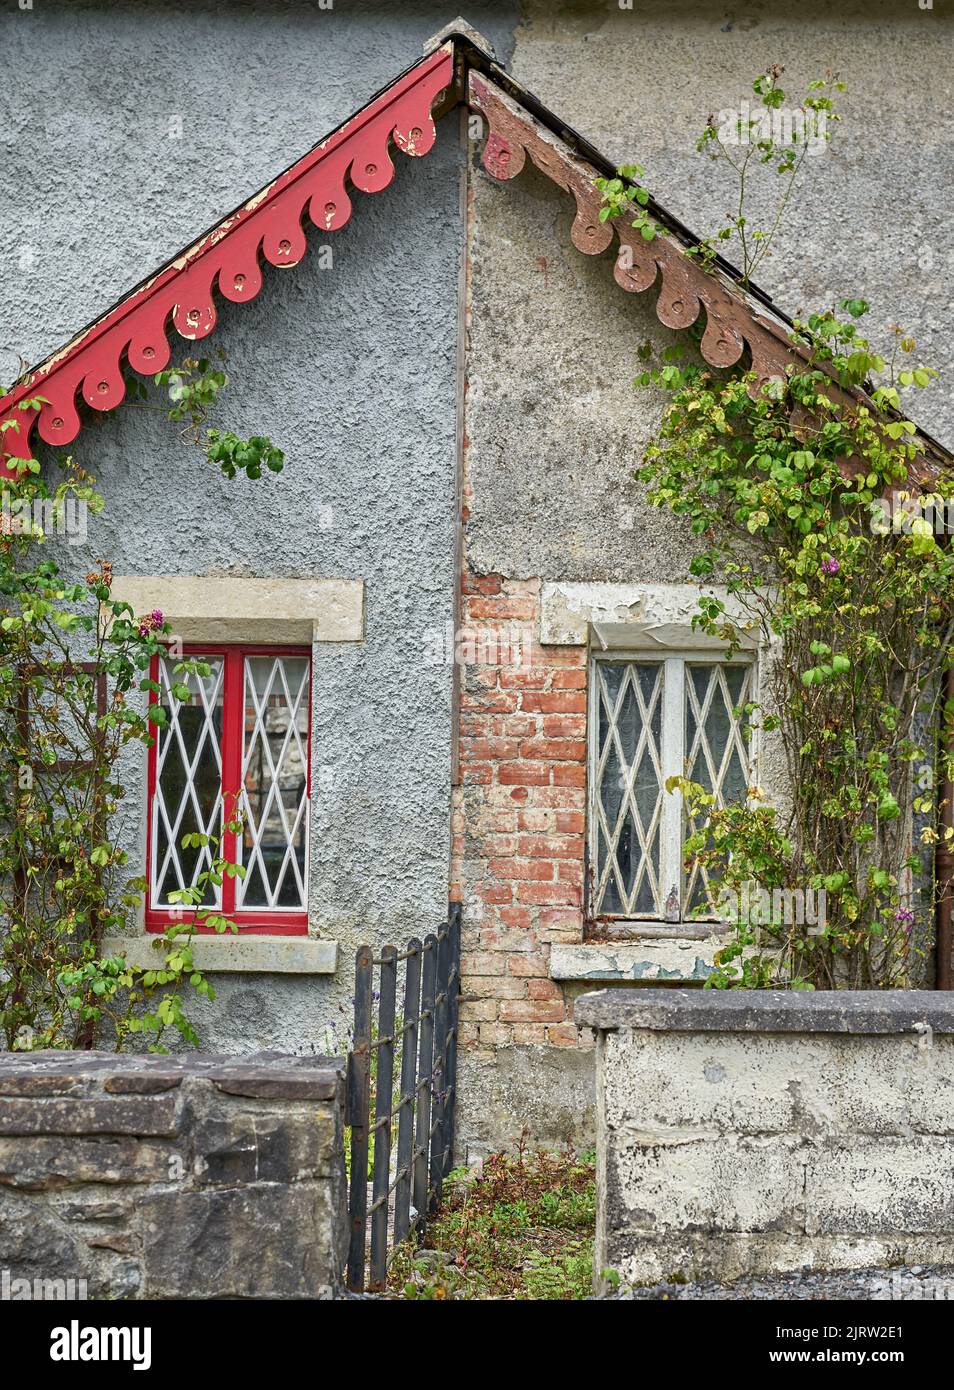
[
  {"x": 139, "y": 125},
  {"x": 162, "y": 1177},
  {"x": 745, "y": 1133},
  {"x": 554, "y": 431}
]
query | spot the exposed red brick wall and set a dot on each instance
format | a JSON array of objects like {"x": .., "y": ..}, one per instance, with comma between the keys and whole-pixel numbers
[{"x": 518, "y": 821}]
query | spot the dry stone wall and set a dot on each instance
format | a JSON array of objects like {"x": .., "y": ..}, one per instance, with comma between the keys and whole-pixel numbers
[{"x": 162, "y": 1177}]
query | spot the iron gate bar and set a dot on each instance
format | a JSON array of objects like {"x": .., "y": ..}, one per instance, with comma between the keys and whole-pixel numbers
[
  {"x": 439, "y": 1073},
  {"x": 424, "y": 1109},
  {"x": 412, "y": 1011},
  {"x": 425, "y": 1068},
  {"x": 382, "y": 1136},
  {"x": 453, "y": 989},
  {"x": 359, "y": 1086}
]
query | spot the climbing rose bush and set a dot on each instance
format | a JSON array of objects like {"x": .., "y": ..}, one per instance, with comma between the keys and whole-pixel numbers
[
  {"x": 811, "y": 507},
  {"x": 76, "y": 699}
]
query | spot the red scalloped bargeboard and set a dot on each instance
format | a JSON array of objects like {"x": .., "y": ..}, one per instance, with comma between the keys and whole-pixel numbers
[{"x": 227, "y": 260}]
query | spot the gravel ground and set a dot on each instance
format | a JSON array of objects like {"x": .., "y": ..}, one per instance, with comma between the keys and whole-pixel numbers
[
  {"x": 934, "y": 1282},
  {"x": 905, "y": 1282}
]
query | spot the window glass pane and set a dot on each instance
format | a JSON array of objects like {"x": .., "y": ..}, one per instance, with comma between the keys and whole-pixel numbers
[
  {"x": 612, "y": 783},
  {"x": 716, "y": 752},
  {"x": 275, "y": 783},
  {"x": 736, "y": 678},
  {"x": 628, "y": 788},
  {"x": 188, "y": 796}
]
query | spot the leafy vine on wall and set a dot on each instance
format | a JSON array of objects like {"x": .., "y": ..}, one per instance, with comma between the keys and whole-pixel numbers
[
  {"x": 75, "y": 696},
  {"x": 801, "y": 496}
]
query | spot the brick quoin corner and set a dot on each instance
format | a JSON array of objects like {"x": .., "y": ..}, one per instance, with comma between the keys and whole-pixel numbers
[{"x": 518, "y": 820}]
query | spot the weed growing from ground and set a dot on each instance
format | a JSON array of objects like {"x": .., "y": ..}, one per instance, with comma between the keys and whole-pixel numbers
[{"x": 520, "y": 1228}]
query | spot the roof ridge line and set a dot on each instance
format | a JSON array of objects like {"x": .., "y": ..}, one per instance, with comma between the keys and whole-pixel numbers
[{"x": 458, "y": 65}]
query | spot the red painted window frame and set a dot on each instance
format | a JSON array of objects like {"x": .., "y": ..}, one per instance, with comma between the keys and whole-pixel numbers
[{"x": 253, "y": 921}]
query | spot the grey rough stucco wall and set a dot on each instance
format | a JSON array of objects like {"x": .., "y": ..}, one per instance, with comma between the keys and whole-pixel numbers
[
  {"x": 351, "y": 370},
  {"x": 367, "y": 423},
  {"x": 555, "y": 427},
  {"x": 109, "y": 193}
]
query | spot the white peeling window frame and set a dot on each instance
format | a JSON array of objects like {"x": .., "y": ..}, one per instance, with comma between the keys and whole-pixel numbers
[{"x": 660, "y": 746}]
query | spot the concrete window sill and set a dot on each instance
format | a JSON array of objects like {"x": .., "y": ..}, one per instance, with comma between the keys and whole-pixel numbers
[
  {"x": 618, "y": 931},
  {"x": 238, "y": 955},
  {"x": 652, "y": 958}
]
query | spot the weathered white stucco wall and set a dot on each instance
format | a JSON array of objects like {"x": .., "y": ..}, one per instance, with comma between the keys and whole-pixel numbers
[
  {"x": 554, "y": 425},
  {"x": 754, "y": 1133},
  {"x": 555, "y": 429}
]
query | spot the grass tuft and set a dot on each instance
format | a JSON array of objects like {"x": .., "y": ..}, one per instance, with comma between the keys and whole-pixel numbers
[{"x": 520, "y": 1228}]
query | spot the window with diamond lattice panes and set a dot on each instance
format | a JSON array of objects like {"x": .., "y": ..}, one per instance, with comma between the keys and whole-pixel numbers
[
  {"x": 275, "y": 782},
  {"x": 188, "y": 780},
  {"x": 239, "y": 744},
  {"x": 651, "y": 720}
]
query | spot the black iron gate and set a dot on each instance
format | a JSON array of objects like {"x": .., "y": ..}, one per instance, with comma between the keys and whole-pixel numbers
[{"x": 415, "y": 1108}]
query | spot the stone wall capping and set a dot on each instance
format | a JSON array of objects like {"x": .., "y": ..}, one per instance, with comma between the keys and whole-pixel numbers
[
  {"x": 260, "y": 1083},
  {"x": 146, "y": 1084},
  {"x": 767, "y": 1011},
  {"x": 127, "y": 1072}
]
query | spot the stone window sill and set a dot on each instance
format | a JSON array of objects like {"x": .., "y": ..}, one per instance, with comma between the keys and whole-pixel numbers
[
  {"x": 244, "y": 954},
  {"x": 651, "y": 959},
  {"x": 618, "y": 930}
]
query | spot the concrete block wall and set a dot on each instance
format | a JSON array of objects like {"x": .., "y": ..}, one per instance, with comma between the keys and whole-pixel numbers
[
  {"x": 752, "y": 1133},
  {"x": 160, "y": 1177}
]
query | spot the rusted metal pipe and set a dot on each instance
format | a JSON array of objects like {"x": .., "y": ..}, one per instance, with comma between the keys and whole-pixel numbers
[{"x": 943, "y": 856}]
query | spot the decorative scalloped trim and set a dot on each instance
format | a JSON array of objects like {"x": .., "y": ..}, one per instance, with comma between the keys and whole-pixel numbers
[
  {"x": 684, "y": 287},
  {"x": 227, "y": 259},
  {"x": 270, "y": 225},
  {"x": 732, "y": 320}
]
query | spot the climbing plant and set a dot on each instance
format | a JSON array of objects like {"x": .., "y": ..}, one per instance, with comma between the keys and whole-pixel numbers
[
  {"x": 773, "y": 143},
  {"x": 817, "y": 522},
  {"x": 76, "y": 700}
]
